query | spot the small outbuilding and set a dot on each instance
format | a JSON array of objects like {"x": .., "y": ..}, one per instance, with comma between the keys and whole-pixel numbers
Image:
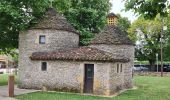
[{"x": 50, "y": 56}]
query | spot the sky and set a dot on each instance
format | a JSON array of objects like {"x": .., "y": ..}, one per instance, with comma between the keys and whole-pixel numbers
[{"x": 118, "y": 6}]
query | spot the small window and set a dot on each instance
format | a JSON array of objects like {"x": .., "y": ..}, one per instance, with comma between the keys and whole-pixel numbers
[
  {"x": 117, "y": 68},
  {"x": 42, "y": 39},
  {"x": 121, "y": 69},
  {"x": 44, "y": 66}
]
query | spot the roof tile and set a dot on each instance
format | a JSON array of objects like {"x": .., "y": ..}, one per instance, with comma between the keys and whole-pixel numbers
[
  {"x": 53, "y": 20},
  {"x": 81, "y": 53},
  {"x": 112, "y": 35}
]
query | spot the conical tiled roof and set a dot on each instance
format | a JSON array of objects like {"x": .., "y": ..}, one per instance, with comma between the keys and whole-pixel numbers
[
  {"x": 112, "y": 35},
  {"x": 53, "y": 20}
]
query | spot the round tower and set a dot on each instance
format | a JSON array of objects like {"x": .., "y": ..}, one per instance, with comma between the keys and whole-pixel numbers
[
  {"x": 115, "y": 41},
  {"x": 52, "y": 32}
]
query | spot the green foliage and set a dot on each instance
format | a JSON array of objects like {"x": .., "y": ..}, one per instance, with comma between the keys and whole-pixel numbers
[
  {"x": 167, "y": 49},
  {"x": 148, "y": 88},
  {"x": 147, "y": 63},
  {"x": 167, "y": 46},
  {"x": 147, "y": 33},
  {"x": 88, "y": 16},
  {"x": 4, "y": 79},
  {"x": 123, "y": 23},
  {"x": 17, "y": 15},
  {"x": 148, "y": 9}
]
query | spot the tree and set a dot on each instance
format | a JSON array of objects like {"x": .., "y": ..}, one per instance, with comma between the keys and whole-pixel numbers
[
  {"x": 149, "y": 9},
  {"x": 123, "y": 23},
  {"x": 147, "y": 35},
  {"x": 167, "y": 46},
  {"x": 87, "y": 16},
  {"x": 15, "y": 16}
]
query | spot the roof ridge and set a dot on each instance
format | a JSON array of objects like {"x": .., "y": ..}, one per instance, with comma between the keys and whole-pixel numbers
[
  {"x": 111, "y": 35},
  {"x": 54, "y": 20}
]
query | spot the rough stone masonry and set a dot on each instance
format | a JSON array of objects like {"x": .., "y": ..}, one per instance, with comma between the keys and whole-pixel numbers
[{"x": 111, "y": 53}]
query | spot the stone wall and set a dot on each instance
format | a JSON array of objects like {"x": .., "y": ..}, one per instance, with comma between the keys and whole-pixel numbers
[
  {"x": 101, "y": 78},
  {"x": 128, "y": 75},
  {"x": 60, "y": 75},
  {"x": 126, "y": 50},
  {"x": 55, "y": 39},
  {"x": 116, "y": 80},
  {"x": 29, "y": 43},
  {"x": 67, "y": 76}
]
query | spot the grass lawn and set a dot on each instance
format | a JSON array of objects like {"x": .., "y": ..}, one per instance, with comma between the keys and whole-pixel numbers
[
  {"x": 149, "y": 88},
  {"x": 4, "y": 79},
  {"x": 147, "y": 62}
]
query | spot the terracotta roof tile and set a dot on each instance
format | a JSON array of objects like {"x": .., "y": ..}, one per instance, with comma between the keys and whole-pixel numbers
[
  {"x": 79, "y": 54},
  {"x": 53, "y": 20},
  {"x": 112, "y": 35}
]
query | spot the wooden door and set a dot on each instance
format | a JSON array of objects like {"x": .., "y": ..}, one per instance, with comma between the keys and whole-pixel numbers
[{"x": 88, "y": 79}]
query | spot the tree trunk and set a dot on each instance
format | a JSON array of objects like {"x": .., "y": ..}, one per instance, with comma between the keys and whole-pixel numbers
[{"x": 152, "y": 65}]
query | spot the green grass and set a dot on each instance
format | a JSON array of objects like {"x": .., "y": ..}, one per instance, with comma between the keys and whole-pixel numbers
[
  {"x": 149, "y": 88},
  {"x": 4, "y": 79},
  {"x": 147, "y": 62}
]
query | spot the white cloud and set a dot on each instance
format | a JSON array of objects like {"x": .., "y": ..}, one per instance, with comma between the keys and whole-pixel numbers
[{"x": 117, "y": 8}]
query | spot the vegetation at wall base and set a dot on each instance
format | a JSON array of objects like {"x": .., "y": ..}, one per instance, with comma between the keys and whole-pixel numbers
[{"x": 148, "y": 88}]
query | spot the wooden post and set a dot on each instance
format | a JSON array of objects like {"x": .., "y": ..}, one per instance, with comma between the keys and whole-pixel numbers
[{"x": 11, "y": 85}]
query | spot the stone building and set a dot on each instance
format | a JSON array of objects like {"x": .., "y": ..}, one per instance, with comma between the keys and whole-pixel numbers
[
  {"x": 6, "y": 61},
  {"x": 50, "y": 56}
]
